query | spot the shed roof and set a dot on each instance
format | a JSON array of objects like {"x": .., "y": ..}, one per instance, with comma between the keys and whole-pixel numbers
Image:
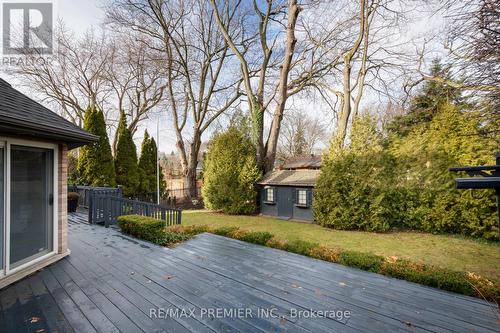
[
  {"x": 305, "y": 177},
  {"x": 303, "y": 162},
  {"x": 20, "y": 115}
]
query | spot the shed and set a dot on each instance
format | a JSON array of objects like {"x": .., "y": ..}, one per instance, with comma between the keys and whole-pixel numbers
[
  {"x": 288, "y": 194},
  {"x": 34, "y": 142}
]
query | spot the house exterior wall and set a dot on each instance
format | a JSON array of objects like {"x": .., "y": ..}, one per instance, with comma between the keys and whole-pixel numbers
[
  {"x": 284, "y": 205},
  {"x": 62, "y": 216}
]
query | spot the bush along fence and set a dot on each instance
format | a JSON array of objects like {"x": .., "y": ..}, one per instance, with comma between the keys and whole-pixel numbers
[
  {"x": 105, "y": 205},
  {"x": 149, "y": 229},
  {"x": 465, "y": 283}
]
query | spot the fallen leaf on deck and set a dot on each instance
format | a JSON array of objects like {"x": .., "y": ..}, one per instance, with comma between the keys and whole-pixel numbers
[
  {"x": 342, "y": 284},
  {"x": 168, "y": 277},
  {"x": 407, "y": 323}
]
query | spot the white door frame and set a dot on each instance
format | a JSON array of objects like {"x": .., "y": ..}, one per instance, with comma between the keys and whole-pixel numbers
[
  {"x": 3, "y": 227},
  {"x": 36, "y": 144}
]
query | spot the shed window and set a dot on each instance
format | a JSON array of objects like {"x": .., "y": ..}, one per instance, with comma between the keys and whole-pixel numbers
[
  {"x": 302, "y": 197},
  {"x": 270, "y": 194}
]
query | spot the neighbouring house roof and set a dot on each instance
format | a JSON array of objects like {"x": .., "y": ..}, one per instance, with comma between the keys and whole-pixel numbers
[
  {"x": 20, "y": 115},
  {"x": 304, "y": 177},
  {"x": 303, "y": 162}
]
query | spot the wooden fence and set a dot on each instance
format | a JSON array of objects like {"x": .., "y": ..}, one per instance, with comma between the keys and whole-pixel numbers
[{"x": 105, "y": 209}]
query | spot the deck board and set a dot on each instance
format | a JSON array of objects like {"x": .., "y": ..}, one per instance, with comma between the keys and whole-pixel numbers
[{"x": 111, "y": 281}]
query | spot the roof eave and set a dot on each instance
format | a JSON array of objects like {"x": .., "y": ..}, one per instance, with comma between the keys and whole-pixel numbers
[
  {"x": 288, "y": 184},
  {"x": 71, "y": 138}
]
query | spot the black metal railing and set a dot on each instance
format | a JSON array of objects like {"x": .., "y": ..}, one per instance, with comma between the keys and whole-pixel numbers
[{"x": 106, "y": 209}]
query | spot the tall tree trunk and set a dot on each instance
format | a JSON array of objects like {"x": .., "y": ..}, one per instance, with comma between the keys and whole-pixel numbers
[
  {"x": 345, "y": 112},
  {"x": 272, "y": 142},
  {"x": 346, "y": 106},
  {"x": 257, "y": 116},
  {"x": 190, "y": 170}
]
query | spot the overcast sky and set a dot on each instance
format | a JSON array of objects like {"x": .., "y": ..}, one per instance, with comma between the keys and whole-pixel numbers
[{"x": 79, "y": 16}]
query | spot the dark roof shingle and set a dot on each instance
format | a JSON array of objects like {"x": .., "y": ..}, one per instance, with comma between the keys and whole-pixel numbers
[
  {"x": 304, "y": 177},
  {"x": 20, "y": 115},
  {"x": 303, "y": 162}
]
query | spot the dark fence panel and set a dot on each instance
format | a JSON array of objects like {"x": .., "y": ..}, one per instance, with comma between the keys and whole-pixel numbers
[
  {"x": 106, "y": 209},
  {"x": 86, "y": 192}
]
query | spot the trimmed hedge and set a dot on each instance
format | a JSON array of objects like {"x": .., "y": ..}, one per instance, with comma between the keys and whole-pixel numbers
[
  {"x": 365, "y": 261},
  {"x": 469, "y": 284},
  {"x": 224, "y": 231},
  {"x": 149, "y": 229},
  {"x": 258, "y": 237},
  {"x": 299, "y": 247}
]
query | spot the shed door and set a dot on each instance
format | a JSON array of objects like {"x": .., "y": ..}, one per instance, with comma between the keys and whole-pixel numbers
[{"x": 285, "y": 202}]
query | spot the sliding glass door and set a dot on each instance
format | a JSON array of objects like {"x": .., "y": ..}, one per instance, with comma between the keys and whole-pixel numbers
[
  {"x": 31, "y": 204},
  {"x": 2, "y": 210}
]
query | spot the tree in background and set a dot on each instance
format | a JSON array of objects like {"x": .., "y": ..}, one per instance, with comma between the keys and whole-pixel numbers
[
  {"x": 425, "y": 105},
  {"x": 72, "y": 167},
  {"x": 95, "y": 163},
  {"x": 451, "y": 138},
  {"x": 193, "y": 57},
  {"x": 300, "y": 135},
  {"x": 355, "y": 189},
  {"x": 397, "y": 177},
  {"x": 230, "y": 172},
  {"x": 147, "y": 167},
  {"x": 126, "y": 168},
  {"x": 299, "y": 142}
]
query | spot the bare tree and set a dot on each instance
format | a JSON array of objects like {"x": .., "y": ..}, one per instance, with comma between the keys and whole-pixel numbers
[
  {"x": 272, "y": 72},
  {"x": 73, "y": 78},
  {"x": 358, "y": 59},
  {"x": 473, "y": 45},
  {"x": 137, "y": 82},
  {"x": 300, "y": 135},
  {"x": 193, "y": 55},
  {"x": 99, "y": 69}
]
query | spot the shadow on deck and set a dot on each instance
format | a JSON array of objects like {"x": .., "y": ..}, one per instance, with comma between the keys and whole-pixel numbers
[{"x": 114, "y": 283}]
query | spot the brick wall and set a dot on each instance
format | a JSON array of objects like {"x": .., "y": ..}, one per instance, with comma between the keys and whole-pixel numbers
[{"x": 62, "y": 217}]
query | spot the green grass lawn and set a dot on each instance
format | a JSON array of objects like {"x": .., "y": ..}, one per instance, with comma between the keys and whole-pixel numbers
[{"x": 446, "y": 251}]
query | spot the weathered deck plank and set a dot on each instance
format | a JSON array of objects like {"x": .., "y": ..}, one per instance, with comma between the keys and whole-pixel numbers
[{"x": 110, "y": 283}]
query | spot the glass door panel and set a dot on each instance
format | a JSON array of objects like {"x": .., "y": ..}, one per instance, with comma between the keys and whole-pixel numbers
[
  {"x": 2, "y": 200},
  {"x": 31, "y": 203}
]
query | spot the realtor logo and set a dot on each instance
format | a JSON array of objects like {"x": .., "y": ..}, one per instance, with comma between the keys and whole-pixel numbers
[{"x": 27, "y": 28}]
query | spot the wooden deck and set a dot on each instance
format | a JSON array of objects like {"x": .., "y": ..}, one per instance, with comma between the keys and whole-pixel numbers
[{"x": 114, "y": 283}]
